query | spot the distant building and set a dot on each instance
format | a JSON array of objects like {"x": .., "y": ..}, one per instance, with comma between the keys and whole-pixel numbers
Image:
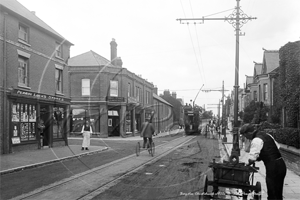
[
  {"x": 115, "y": 100},
  {"x": 177, "y": 106},
  {"x": 33, "y": 82},
  {"x": 163, "y": 114}
]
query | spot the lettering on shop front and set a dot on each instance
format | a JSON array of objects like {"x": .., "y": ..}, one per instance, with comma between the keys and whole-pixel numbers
[{"x": 37, "y": 95}]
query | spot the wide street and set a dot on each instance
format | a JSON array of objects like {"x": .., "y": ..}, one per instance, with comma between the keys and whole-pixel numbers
[{"x": 117, "y": 173}]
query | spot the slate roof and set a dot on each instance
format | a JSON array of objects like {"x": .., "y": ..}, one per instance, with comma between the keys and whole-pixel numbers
[
  {"x": 249, "y": 80},
  {"x": 17, "y": 8},
  {"x": 270, "y": 61},
  {"x": 89, "y": 58},
  {"x": 161, "y": 99},
  {"x": 257, "y": 69}
]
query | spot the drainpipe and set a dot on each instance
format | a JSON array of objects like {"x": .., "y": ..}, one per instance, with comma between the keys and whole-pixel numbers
[{"x": 6, "y": 142}]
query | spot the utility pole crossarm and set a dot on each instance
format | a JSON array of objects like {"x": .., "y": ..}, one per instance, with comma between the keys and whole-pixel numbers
[
  {"x": 237, "y": 18},
  {"x": 214, "y": 90}
]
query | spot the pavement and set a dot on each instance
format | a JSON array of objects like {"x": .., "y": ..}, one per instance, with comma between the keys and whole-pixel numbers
[
  {"x": 291, "y": 189},
  {"x": 33, "y": 158}
]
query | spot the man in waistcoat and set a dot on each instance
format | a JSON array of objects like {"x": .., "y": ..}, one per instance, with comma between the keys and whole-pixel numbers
[{"x": 265, "y": 148}]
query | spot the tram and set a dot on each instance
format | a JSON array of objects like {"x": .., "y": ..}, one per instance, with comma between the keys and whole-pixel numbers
[{"x": 192, "y": 120}]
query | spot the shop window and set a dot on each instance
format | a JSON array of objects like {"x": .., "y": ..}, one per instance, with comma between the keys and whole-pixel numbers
[
  {"x": 58, "y": 79},
  {"x": 23, "y": 71},
  {"x": 85, "y": 87},
  {"x": 23, "y": 122},
  {"x": 58, "y": 122},
  {"x": 113, "y": 88}
]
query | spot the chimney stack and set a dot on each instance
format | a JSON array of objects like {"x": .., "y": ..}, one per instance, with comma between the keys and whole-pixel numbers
[
  {"x": 155, "y": 90},
  {"x": 174, "y": 95},
  {"x": 166, "y": 93},
  {"x": 118, "y": 62},
  {"x": 113, "y": 51}
]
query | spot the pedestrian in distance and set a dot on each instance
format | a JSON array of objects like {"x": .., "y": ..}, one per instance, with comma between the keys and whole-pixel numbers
[
  {"x": 265, "y": 148},
  {"x": 86, "y": 134},
  {"x": 147, "y": 132}
]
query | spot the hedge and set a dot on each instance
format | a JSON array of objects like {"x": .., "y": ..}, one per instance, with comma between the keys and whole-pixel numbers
[{"x": 287, "y": 136}]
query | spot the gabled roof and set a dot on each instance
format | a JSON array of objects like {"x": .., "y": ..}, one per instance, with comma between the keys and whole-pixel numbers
[
  {"x": 161, "y": 99},
  {"x": 270, "y": 61},
  {"x": 249, "y": 80},
  {"x": 257, "y": 69},
  {"x": 17, "y": 8},
  {"x": 89, "y": 58}
]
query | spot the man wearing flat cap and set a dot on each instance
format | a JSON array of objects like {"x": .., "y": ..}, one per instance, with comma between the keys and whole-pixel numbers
[{"x": 265, "y": 148}]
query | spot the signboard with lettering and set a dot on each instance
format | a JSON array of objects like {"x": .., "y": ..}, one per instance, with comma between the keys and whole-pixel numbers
[
  {"x": 15, "y": 140},
  {"x": 115, "y": 99},
  {"x": 38, "y": 95}
]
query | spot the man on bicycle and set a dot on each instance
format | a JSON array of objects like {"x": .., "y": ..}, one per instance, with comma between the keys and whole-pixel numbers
[{"x": 147, "y": 131}]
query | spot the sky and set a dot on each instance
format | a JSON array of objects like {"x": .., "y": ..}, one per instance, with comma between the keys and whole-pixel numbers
[{"x": 177, "y": 57}]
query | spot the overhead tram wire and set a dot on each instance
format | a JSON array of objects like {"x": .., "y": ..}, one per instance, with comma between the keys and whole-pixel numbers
[
  {"x": 192, "y": 43},
  {"x": 202, "y": 67}
]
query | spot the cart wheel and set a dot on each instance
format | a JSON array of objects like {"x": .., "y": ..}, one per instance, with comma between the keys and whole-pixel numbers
[
  {"x": 257, "y": 191},
  {"x": 152, "y": 147},
  {"x": 204, "y": 185},
  {"x": 138, "y": 149},
  {"x": 245, "y": 194}
]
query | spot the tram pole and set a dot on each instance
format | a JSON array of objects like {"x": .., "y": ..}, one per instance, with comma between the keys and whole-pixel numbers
[{"x": 237, "y": 19}]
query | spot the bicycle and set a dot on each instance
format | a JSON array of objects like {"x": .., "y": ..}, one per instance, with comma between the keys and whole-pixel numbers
[{"x": 150, "y": 148}]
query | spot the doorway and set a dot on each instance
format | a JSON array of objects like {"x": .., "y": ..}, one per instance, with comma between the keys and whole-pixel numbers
[{"x": 46, "y": 117}]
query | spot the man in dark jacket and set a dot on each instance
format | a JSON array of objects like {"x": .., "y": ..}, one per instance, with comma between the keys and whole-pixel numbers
[
  {"x": 147, "y": 131},
  {"x": 265, "y": 148}
]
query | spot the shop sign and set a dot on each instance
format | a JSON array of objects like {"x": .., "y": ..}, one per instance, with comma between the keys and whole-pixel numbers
[
  {"x": 15, "y": 140},
  {"x": 132, "y": 100},
  {"x": 37, "y": 95},
  {"x": 115, "y": 99}
]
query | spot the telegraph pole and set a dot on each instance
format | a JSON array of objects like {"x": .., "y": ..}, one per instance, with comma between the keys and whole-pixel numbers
[{"x": 237, "y": 19}]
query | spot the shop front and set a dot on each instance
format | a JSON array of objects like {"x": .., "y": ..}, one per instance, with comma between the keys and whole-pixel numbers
[{"x": 37, "y": 120}]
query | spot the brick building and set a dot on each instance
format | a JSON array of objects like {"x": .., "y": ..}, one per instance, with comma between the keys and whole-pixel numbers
[
  {"x": 163, "y": 114},
  {"x": 177, "y": 106},
  {"x": 34, "y": 81},
  {"x": 115, "y": 100}
]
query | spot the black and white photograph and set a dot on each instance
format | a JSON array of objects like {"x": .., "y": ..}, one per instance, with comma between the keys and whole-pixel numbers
[{"x": 149, "y": 99}]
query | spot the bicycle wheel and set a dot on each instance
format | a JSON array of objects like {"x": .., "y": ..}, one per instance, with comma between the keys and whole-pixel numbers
[
  {"x": 152, "y": 147},
  {"x": 138, "y": 149}
]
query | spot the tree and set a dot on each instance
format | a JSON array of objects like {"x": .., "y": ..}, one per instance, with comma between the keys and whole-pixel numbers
[{"x": 255, "y": 112}]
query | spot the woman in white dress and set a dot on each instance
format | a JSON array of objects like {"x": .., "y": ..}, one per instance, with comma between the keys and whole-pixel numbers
[{"x": 86, "y": 134}]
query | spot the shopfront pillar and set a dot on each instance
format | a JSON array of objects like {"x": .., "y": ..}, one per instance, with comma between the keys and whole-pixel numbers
[
  {"x": 133, "y": 125},
  {"x": 103, "y": 121},
  {"x": 122, "y": 120}
]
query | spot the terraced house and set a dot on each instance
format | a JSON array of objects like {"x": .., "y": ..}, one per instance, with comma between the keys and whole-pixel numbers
[{"x": 33, "y": 81}]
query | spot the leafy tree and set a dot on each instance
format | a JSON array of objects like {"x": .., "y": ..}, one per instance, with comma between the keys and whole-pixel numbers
[
  {"x": 207, "y": 114},
  {"x": 255, "y": 112}
]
